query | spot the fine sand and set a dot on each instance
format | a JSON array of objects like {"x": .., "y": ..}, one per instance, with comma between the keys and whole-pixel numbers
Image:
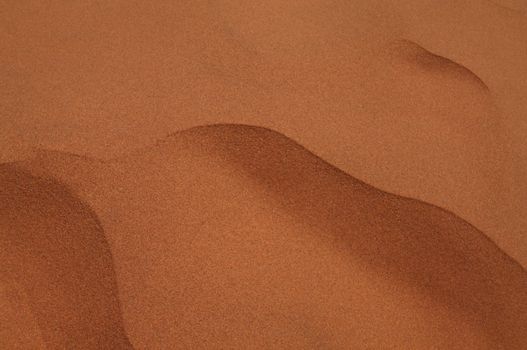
[
  {"x": 157, "y": 185},
  {"x": 236, "y": 237},
  {"x": 425, "y": 99}
]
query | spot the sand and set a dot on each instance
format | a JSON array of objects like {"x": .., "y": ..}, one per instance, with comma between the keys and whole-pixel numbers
[{"x": 299, "y": 222}]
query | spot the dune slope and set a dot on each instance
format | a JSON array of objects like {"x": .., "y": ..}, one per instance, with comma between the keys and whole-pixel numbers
[
  {"x": 236, "y": 236},
  {"x": 55, "y": 256}
]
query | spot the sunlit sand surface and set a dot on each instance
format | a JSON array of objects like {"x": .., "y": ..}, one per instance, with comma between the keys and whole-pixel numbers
[
  {"x": 236, "y": 236},
  {"x": 281, "y": 174}
]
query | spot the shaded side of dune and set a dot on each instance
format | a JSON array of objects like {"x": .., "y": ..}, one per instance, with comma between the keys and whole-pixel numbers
[
  {"x": 423, "y": 245},
  {"x": 53, "y": 247}
]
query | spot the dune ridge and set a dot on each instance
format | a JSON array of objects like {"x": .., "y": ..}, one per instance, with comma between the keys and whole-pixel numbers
[
  {"x": 416, "y": 254},
  {"x": 329, "y": 74},
  {"x": 54, "y": 249}
]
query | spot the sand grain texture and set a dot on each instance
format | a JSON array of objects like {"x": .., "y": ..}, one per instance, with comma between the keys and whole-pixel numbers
[
  {"x": 242, "y": 174},
  {"x": 236, "y": 236},
  {"x": 422, "y": 99}
]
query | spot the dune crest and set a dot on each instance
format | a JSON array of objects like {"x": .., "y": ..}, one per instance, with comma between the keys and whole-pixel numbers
[
  {"x": 235, "y": 235},
  {"x": 54, "y": 249}
]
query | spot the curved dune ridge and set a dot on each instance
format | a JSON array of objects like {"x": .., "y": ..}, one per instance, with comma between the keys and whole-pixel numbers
[
  {"x": 234, "y": 236},
  {"x": 423, "y": 99},
  {"x": 54, "y": 248}
]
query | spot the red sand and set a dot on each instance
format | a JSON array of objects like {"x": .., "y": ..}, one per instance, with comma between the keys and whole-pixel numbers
[{"x": 234, "y": 236}]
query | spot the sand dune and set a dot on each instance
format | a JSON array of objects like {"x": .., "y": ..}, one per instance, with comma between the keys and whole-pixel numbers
[
  {"x": 229, "y": 234},
  {"x": 233, "y": 236},
  {"x": 54, "y": 250},
  {"x": 420, "y": 98}
]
